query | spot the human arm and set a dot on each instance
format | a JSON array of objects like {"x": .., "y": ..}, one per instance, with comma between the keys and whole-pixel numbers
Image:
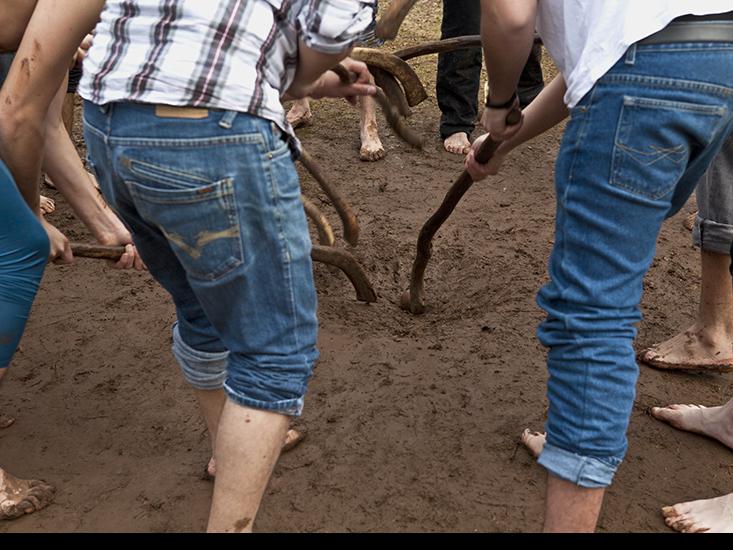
[
  {"x": 63, "y": 165},
  {"x": 328, "y": 30},
  {"x": 507, "y": 35},
  {"x": 53, "y": 34},
  {"x": 546, "y": 111}
]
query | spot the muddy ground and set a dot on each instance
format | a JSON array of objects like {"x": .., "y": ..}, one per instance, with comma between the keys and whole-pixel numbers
[{"x": 412, "y": 422}]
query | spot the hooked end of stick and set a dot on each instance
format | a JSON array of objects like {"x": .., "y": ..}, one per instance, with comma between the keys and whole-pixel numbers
[{"x": 406, "y": 303}]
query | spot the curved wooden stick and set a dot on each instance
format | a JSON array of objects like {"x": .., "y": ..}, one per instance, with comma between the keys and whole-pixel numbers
[
  {"x": 391, "y": 113},
  {"x": 412, "y": 299},
  {"x": 392, "y": 89},
  {"x": 445, "y": 45},
  {"x": 324, "y": 254},
  {"x": 401, "y": 70},
  {"x": 439, "y": 46},
  {"x": 325, "y": 231},
  {"x": 348, "y": 264},
  {"x": 342, "y": 206}
]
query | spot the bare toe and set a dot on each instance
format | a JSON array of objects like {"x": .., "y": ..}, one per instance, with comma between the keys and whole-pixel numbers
[
  {"x": 534, "y": 441},
  {"x": 292, "y": 439}
]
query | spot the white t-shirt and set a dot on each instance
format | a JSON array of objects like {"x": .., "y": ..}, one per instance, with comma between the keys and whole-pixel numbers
[{"x": 587, "y": 37}]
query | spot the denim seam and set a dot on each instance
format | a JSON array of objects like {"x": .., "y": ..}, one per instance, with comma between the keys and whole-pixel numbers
[
  {"x": 189, "y": 143},
  {"x": 636, "y": 101},
  {"x": 93, "y": 129},
  {"x": 225, "y": 190},
  {"x": 660, "y": 82},
  {"x": 149, "y": 170},
  {"x": 285, "y": 247},
  {"x": 571, "y": 170}
]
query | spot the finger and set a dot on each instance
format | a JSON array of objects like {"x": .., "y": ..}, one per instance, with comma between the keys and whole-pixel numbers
[
  {"x": 139, "y": 264},
  {"x": 127, "y": 260},
  {"x": 360, "y": 89},
  {"x": 64, "y": 255}
]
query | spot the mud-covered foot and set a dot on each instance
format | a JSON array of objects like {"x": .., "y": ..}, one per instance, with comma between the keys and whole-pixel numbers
[
  {"x": 300, "y": 113},
  {"x": 714, "y": 515},
  {"x": 457, "y": 143},
  {"x": 22, "y": 496},
  {"x": 713, "y": 422},
  {"x": 371, "y": 146},
  {"x": 6, "y": 421},
  {"x": 47, "y": 205},
  {"x": 534, "y": 441},
  {"x": 695, "y": 349}
]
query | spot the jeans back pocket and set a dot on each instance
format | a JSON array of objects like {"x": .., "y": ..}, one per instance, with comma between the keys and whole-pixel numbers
[
  {"x": 654, "y": 141},
  {"x": 199, "y": 219}
]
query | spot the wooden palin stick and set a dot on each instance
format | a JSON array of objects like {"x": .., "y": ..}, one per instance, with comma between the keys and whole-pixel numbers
[
  {"x": 391, "y": 113},
  {"x": 412, "y": 299},
  {"x": 324, "y": 254},
  {"x": 342, "y": 206},
  {"x": 325, "y": 231}
]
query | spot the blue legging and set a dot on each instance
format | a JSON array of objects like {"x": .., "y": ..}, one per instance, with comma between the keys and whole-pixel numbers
[{"x": 24, "y": 249}]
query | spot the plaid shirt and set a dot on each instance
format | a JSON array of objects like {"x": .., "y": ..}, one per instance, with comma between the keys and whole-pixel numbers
[{"x": 237, "y": 55}]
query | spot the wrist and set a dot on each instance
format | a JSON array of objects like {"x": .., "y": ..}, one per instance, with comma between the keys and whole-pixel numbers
[{"x": 497, "y": 103}]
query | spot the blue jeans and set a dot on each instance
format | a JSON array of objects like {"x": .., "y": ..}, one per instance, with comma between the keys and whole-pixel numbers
[
  {"x": 24, "y": 249},
  {"x": 214, "y": 208},
  {"x": 632, "y": 152}
]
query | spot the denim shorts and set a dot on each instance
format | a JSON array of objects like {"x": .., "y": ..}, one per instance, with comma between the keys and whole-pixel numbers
[
  {"x": 213, "y": 204},
  {"x": 634, "y": 149},
  {"x": 713, "y": 229}
]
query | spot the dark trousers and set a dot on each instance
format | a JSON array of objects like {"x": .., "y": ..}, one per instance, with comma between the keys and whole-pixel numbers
[{"x": 459, "y": 72}]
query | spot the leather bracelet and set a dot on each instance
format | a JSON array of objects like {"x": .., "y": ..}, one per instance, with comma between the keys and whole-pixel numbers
[{"x": 505, "y": 105}]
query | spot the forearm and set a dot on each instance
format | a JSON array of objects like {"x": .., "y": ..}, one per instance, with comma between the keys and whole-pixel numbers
[
  {"x": 547, "y": 110},
  {"x": 311, "y": 65},
  {"x": 507, "y": 35},
  {"x": 54, "y": 32}
]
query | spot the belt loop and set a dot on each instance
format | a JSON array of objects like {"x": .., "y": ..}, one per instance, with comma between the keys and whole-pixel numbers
[
  {"x": 227, "y": 121},
  {"x": 631, "y": 55}
]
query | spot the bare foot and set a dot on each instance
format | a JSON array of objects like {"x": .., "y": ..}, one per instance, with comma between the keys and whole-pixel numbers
[
  {"x": 689, "y": 221},
  {"x": 6, "y": 421},
  {"x": 22, "y": 496},
  {"x": 457, "y": 144},
  {"x": 713, "y": 422},
  {"x": 292, "y": 439},
  {"x": 714, "y": 515},
  {"x": 534, "y": 441},
  {"x": 300, "y": 113},
  {"x": 695, "y": 349},
  {"x": 371, "y": 145},
  {"x": 47, "y": 205}
]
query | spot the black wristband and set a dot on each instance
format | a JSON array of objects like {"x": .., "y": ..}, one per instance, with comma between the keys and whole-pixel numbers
[{"x": 505, "y": 105}]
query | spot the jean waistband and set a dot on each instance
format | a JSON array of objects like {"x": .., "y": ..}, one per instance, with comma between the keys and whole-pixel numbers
[{"x": 693, "y": 30}]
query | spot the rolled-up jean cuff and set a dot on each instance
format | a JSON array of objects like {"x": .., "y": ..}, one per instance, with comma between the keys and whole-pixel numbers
[
  {"x": 203, "y": 370},
  {"x": 584, "y": 471},
  {"x": 287, "y": 407},
  {"x": 712, "y": 236}
]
